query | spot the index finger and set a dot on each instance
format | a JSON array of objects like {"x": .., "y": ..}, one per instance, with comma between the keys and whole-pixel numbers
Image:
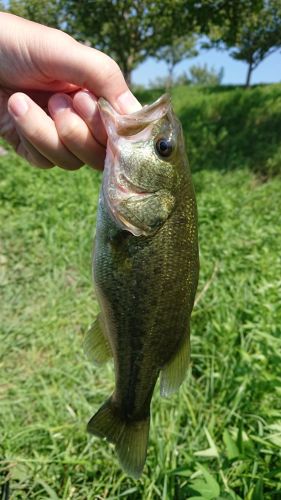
[{"x": 91, "y": 69}]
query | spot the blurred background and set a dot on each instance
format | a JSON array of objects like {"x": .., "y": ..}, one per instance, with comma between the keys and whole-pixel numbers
[
  {"x": 220, "y": 436},
  {"x": 185, "y": 41}
]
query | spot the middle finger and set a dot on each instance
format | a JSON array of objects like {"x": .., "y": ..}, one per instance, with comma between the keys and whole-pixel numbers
[{"x": 74, "y": 132}]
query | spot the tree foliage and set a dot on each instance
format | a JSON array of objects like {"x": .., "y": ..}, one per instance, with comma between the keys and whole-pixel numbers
[{"x": 48, "y": 12}]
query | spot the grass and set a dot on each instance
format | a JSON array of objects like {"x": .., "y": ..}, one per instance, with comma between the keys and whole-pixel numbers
[{"x": 220, "y": 436}]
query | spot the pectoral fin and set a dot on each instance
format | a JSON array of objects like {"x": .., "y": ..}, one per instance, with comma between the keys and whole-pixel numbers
[
  {"x": 96, "y": 345},
  {"x": 174, "y": 372},
  {"x": 145, "y": 215}
]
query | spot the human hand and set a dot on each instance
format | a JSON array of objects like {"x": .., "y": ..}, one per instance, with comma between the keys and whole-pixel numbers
[{"x": 49, "y": 85}]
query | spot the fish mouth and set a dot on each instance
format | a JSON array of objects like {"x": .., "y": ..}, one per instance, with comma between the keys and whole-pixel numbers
[
  {"x": 117, "y": 187},
  {"x": 128, "y": 126}
]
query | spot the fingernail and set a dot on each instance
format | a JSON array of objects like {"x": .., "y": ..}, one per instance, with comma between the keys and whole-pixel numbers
[
  {"x": 127, "y": 103},
  {"x": 58, "y": 103},
  {"x": 85, "y": 104},
  {"x": 18, "y": 106}
]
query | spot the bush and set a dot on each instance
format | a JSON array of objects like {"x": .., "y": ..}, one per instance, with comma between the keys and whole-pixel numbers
[{"x": 202, "y": 75}]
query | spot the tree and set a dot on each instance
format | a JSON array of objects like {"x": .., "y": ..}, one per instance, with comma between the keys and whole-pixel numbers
[
  {"x": 256, "y": 35},
  {"x": 198, "y": 18},
  {"x": 259, "y": 36},
  {"x": 48, "y": 12},
  {"x": 179, "y": 49}
]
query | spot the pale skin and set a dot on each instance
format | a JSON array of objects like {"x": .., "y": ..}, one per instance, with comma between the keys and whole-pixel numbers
[{"x": 49, "y": 86}]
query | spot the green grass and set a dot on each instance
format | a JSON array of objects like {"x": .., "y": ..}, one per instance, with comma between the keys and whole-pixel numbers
[{"x": 220, "y": 436}]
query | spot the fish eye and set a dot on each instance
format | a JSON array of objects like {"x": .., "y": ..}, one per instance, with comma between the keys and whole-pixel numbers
[{"x": 164, "y": 147}]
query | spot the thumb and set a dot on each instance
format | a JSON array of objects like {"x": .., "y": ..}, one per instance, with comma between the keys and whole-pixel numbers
[{"x": 93, "y": 70}]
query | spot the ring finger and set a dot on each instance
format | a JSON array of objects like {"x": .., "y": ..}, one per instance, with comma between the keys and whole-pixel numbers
[{"x": 32, "y": 155}]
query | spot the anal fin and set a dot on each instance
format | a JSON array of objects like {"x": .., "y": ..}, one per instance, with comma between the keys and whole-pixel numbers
[
  {"x": 96, "y": 345},
  {"x": 173, "y": 374}
]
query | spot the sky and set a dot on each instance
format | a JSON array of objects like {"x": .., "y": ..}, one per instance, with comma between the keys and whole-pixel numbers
[{"x": 269, "y": 71}]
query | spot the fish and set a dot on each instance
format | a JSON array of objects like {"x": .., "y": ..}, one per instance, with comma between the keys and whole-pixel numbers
[{"x": 145, "y": 269}]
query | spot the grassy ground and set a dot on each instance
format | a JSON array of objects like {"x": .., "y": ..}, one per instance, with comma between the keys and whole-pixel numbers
[{"x": 220, "y": 436}]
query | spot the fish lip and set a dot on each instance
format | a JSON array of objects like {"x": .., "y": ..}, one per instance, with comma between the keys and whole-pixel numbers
[
  {"x": 163, "y": 100},
  {"x": 129, "y": 124}
]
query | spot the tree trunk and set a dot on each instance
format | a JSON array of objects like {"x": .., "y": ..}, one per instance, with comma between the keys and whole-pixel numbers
[
  {"x": 249, "y": 73},
  {"x": 170, "y": 79},
  {"x": 127, "y": 66},
  {"x": 128, "y": 76}
]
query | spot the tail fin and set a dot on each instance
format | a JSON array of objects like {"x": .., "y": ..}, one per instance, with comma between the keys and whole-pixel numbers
[{"x": 130, "y": 438}]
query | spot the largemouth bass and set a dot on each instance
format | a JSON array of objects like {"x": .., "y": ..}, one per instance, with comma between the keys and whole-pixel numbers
[{"x": 145, "y": 271}]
